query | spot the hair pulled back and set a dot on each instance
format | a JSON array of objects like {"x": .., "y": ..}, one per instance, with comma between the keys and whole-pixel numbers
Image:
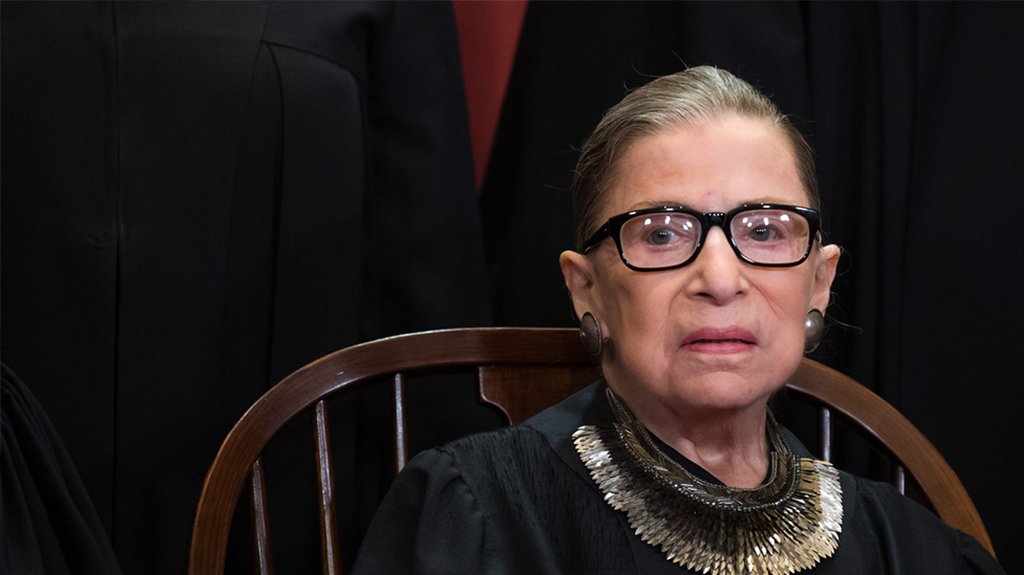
[{"x": 694, "y": 95}]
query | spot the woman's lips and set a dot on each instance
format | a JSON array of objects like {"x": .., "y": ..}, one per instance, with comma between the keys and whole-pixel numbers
[{"x": 719, "y": 340}]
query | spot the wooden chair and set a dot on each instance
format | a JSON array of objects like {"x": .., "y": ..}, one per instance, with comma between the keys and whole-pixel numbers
[{"x": 522, "y": 371}]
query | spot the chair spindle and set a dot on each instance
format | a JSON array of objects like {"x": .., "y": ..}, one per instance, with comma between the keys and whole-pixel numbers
[
  {"x": 328, "y": 531},
  {"x": 825, "y": 433},
  {"x": 262, "y": 562},
  {"x": 899, "y": 478},
  {"x": 401, "y": 441}
]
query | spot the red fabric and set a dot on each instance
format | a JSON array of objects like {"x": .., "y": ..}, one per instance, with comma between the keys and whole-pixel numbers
[{"x": 488, "y": 37}]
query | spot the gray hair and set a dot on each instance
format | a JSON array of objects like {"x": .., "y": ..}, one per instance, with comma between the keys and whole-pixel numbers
[{"x": 684, "y": 98}]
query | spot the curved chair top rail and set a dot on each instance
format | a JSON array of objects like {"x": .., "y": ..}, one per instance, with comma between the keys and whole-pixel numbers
[
  {"x": 884, "y": 424},
  {"x": 345, "y": 367},
  {"x": 524, "y": 346}
]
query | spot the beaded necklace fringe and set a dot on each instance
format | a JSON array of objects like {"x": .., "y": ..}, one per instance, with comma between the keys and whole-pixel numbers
[{"x": 786, "y": 525}]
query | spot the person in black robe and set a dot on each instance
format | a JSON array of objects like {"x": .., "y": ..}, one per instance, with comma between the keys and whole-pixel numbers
[
  {"x": 200, "y": 198},
  {"x": 700, "y": 278},
  {"x": 520, "y": 500}
]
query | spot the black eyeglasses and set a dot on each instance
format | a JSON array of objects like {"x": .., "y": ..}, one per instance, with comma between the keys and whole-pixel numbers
[{"x": 664, "y": 238}]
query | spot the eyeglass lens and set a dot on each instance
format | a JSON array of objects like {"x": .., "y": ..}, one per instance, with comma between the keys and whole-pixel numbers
[{"x": 765, "y": 236}]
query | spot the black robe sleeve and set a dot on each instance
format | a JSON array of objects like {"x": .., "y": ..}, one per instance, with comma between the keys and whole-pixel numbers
[
  {"x": 48, "y": 522},
  {"x": 429, "y": 524},
  {"x": 887, "y": 532}
]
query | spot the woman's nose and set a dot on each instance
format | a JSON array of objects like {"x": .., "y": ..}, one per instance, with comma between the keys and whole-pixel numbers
[{"x": 718, "y": 273}]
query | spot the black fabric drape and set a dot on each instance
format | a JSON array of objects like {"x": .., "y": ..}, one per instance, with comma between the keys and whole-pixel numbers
[
  {"x": 198, "y": 199},
  {"x": 914, "y": 111},
  {"x": 47, "y": 518}
]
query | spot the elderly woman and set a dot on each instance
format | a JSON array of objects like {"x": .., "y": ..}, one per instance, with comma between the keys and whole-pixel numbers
[{"x": 700, "y": 280}]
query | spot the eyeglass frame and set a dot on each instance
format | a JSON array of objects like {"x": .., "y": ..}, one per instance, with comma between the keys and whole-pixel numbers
[{"x": 613, "y": 228}]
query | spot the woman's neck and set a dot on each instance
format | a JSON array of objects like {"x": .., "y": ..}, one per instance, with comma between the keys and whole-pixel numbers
[{"x": 730, "y": 444}]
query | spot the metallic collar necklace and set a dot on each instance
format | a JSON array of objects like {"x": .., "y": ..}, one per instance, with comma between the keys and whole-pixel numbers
[{"x": 786, "y": 525}]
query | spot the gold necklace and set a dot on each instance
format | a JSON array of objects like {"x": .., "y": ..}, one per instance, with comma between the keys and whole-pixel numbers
[{"x": 786, "y": 525}]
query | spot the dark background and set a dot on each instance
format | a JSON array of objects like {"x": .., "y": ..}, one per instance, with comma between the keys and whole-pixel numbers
[
  {"x": 198, "y": 199},
  {"x": 215, "y": 270}
]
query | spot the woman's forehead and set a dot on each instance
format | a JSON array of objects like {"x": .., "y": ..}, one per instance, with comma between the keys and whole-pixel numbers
[{"x": 712, "y": 166}]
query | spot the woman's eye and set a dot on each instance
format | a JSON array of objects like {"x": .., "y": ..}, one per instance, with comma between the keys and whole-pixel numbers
[
  {"x": 661, "y": 237},
  {"x": 763, "y": 233},
  {"x": 764, "y": 228},
  {"x": 658, "y": 233}
]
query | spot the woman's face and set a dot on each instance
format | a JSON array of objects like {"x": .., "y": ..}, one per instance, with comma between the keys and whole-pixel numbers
[{"x": 718, "y": 334}]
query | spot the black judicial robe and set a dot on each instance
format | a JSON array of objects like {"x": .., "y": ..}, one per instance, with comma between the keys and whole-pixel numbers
[
  {"x": 519, "y": 500},
  {"x": 201, "y": 197}
]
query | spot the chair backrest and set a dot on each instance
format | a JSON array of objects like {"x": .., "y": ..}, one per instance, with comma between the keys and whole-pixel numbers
[{"x": 522, "y": 371}]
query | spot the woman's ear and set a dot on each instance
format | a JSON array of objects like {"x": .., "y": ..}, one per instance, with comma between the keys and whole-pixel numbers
[
  {"x": 578, "y": 272},
  {"x": 824, "y": 274}
]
